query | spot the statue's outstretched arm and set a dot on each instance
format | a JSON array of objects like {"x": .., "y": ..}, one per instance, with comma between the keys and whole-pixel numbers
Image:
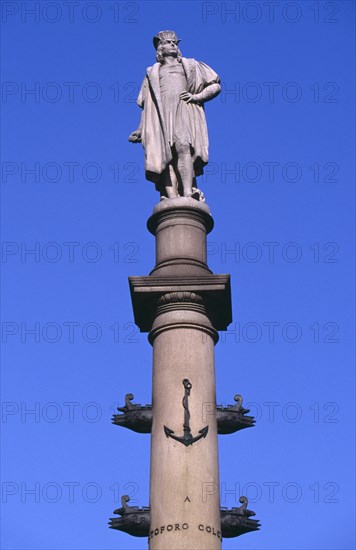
[{"x": 135, "y": 137}]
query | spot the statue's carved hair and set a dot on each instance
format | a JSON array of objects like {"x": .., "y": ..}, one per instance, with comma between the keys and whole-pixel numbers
[{"x": 159, "y": 55}]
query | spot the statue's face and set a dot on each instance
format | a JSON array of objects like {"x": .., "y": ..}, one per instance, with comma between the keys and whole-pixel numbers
[{"x": 169, "y": 47}]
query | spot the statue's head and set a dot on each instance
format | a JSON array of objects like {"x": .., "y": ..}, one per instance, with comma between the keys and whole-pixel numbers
[{"x": 166, "y": 43}]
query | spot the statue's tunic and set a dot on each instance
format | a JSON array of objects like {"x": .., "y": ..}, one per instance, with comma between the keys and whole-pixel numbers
[
  {"x": 160, "y": 126},
  {"x": 172, "y": 82}
]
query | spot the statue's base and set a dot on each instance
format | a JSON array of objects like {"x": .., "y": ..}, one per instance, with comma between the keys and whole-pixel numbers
[{"x": 180, "y": 226}]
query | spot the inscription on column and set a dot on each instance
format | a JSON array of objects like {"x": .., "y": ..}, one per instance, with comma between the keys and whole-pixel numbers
[{"x": 184, "y": 527}]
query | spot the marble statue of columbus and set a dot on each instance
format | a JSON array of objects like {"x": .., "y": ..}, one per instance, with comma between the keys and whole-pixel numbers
[{"x": 173, "y": 128}]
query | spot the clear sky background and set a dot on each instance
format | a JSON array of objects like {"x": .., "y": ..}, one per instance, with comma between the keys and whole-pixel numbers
[{"x": 280, "y": 185}]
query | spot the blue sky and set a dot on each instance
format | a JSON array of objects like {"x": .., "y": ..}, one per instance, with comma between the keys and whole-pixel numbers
[{"x": 280, "y": 185}]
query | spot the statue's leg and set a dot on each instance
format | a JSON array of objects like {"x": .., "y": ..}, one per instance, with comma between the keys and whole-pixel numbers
[
  {"x": 169, "y": 182},
  {"x": 185, "y": 166}
]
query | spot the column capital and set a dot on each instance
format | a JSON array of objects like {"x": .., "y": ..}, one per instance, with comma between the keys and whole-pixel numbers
[{"x": 212, "y": 293}]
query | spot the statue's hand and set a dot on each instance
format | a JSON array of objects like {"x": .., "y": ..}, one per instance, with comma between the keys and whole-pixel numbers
[
  {"x": 188, "y": 97},
  {"x": 135, "y": 137}
]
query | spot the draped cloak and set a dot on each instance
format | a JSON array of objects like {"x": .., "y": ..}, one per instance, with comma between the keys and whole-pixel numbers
[{"x": 155, "y": 141}]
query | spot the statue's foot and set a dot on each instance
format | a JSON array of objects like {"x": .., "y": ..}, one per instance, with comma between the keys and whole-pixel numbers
[
  {"x": 198, "y": 195},
  {"x": 170, "y": 196}
]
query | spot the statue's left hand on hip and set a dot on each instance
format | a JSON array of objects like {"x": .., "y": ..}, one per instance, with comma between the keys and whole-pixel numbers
[{"x": 188, "y": 97}]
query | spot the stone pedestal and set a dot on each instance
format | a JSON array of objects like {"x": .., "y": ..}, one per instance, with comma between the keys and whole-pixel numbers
[
  {"x": 180, "y": 227},
  {"x": 182, "y": 305}
]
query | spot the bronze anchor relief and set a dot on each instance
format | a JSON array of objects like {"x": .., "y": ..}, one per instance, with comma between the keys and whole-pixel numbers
[{"x": 187, "y": 438}]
